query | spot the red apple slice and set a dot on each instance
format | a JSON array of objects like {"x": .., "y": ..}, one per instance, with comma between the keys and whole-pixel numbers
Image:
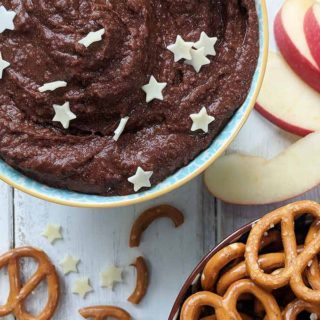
[
  {"x": 312, "y": 30},
  {"x": 286, "y": 100},
  {"x": 241, "y": 179},
  {"x": 291, "y": 40}
]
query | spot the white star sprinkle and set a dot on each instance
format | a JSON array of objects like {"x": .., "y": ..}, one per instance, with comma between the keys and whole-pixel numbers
[
  {"x": 198, "y": 60},
  {"x": 63, "y": 114},
  {"x": 69, "y": 264},
  {"x": 6, "y": 19},
  {"x": 181, "y": 49},
  {"x": 141, "y": 179},
  {"x": 3, "y": 65},
  {"x": 154, "y": 89},
  {"x": 51, "y": 86},
  {"x": 82, "y": 287},
  {"x": 118, "y": 132},
  {"x": 109, "y": 277},
  {"x": 92, "y": 37},
  {"x": 207, "y": 43},
  {"x": 201, "y": 120},
  {"x": 52, "y": 232},
  {"x": 313, "y": 316}
]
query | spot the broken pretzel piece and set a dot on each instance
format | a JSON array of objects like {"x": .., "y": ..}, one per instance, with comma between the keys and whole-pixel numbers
[{"x": 150, "y": 215}]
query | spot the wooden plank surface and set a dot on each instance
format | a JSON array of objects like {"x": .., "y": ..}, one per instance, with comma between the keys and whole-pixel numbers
[{"x": 100, "y": 237}]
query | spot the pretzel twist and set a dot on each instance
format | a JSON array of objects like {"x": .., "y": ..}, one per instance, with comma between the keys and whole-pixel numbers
[
  {"x": 103, "y": 312},
  {"x": 294, "y": 308},
  {"x": 295, "y": 263},
  {"x": 226, "y": 306},
  {"x": 18, "y": 293}
]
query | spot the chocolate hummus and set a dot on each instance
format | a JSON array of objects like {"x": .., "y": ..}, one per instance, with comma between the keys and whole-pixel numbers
[{"x": 104, "y": 84}]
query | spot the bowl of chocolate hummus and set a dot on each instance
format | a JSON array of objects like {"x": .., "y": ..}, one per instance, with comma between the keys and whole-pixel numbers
[{"x": 110, "y": 103}]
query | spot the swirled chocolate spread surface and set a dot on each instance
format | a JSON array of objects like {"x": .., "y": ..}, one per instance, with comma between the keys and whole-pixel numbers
[{"x": 104, "y": 84}]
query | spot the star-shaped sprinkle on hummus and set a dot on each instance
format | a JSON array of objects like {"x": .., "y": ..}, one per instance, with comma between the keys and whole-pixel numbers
[
  {"x": 6, "y": 19},
  {"x": 207, "y": 43},
  {"x": 69, "y": 264},
  {"x": 201, "y": 120},
  {"x": 63, "y": 114},
  {"x": 141, "y": 179},
  {"x": 52, "y": 232},
  {"x": 198, "y": 60},
  {"x": 3, "y": 65},
  {"x": 118, "y": 132},
  {"x": 181, "y": 49},
  {"x": 110, "y": 276},
  {"x": 82, "y": 287},
  {"x": 51, "y": 86},
  {"x": 92, "y": 37},
  {"x": 154, "y": 89}
]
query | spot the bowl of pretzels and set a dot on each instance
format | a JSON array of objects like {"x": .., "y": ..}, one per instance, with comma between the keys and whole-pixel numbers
[{"x": 268, "y": 269}]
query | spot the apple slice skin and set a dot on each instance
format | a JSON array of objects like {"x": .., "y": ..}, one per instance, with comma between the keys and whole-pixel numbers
[
  {"x": 312, "y": 32},
  {"x": 248, "y": 180},
  {"x": 286, "y": 100},
  {"x": 299, "y": 63},
  {"x": 281, "y": 123}
]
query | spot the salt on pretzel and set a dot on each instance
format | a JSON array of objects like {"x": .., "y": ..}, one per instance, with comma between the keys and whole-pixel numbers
[
  {"x": 267, "y": 262},
  {"x": 19, "y": 292},
  {"x": 219, "y": 261},
  {"x": 295, "y": 263},
  {"x": 313, "y": 272},
  {"x": 228, "y": 254},
  {"x": 104, "y": 312},
  {"x": 213, "y": 317},
  {"x": 226, "y": 306},
  {"x": 297, "y": 306},
  {"x": 142, "y": 282},
  {"x": 150, "y": 215}
]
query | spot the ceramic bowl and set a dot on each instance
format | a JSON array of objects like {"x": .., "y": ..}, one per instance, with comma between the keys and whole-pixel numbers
[{"x": 182, "y": 176}]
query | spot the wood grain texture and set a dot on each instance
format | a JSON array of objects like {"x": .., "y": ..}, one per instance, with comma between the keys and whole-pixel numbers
[{"x": 100, "y": 237}]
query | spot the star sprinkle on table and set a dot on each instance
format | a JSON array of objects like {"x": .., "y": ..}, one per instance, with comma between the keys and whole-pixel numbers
[
  {"x": 6, "y": 19},
  {"x": 63, "y": 114},
  {"x": 198, "y": 60},
  {"x": 201, "y": 120},
  {"x": 69, "y": 264},
  {"x": 52, "y": 232},
  {"x": 154, "y": 89},
  {"x": 181, "y": 49},
  {"x": 141, "y": 179},
  {"x": 207, "y": 43},
  {"x": 92, "y": 37},
  {"x": 118, "y": 132},
  {"x": 3, "y": 65},
  {"x": 111, "y": 276},
  {"x": 82, "y": 287},
  {"x": 51, "y": 86}
]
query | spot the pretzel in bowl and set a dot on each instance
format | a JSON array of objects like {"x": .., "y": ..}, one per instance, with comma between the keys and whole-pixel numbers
[
  {"x": 104, "y": 312},
  {"x": 294, "y": 308},
  {"x": 149, "y": 216},
  {"x": 233, "y": 253},
  {"x": 19, "y": 292},
  {"x": 226, "y": 307},
  {"x": 295, "y": 263}
]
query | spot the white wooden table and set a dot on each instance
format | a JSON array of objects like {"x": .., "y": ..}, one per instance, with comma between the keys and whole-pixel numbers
[{"x": 100, "y": 237}]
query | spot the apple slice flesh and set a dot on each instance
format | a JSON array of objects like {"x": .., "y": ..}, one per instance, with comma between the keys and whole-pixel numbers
[
  {"x": 312, "y": 30},
  {"x": 248, "y": 180},
  {"x": 292, "y": 42},
  {"x": 286, "y": 100}
]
